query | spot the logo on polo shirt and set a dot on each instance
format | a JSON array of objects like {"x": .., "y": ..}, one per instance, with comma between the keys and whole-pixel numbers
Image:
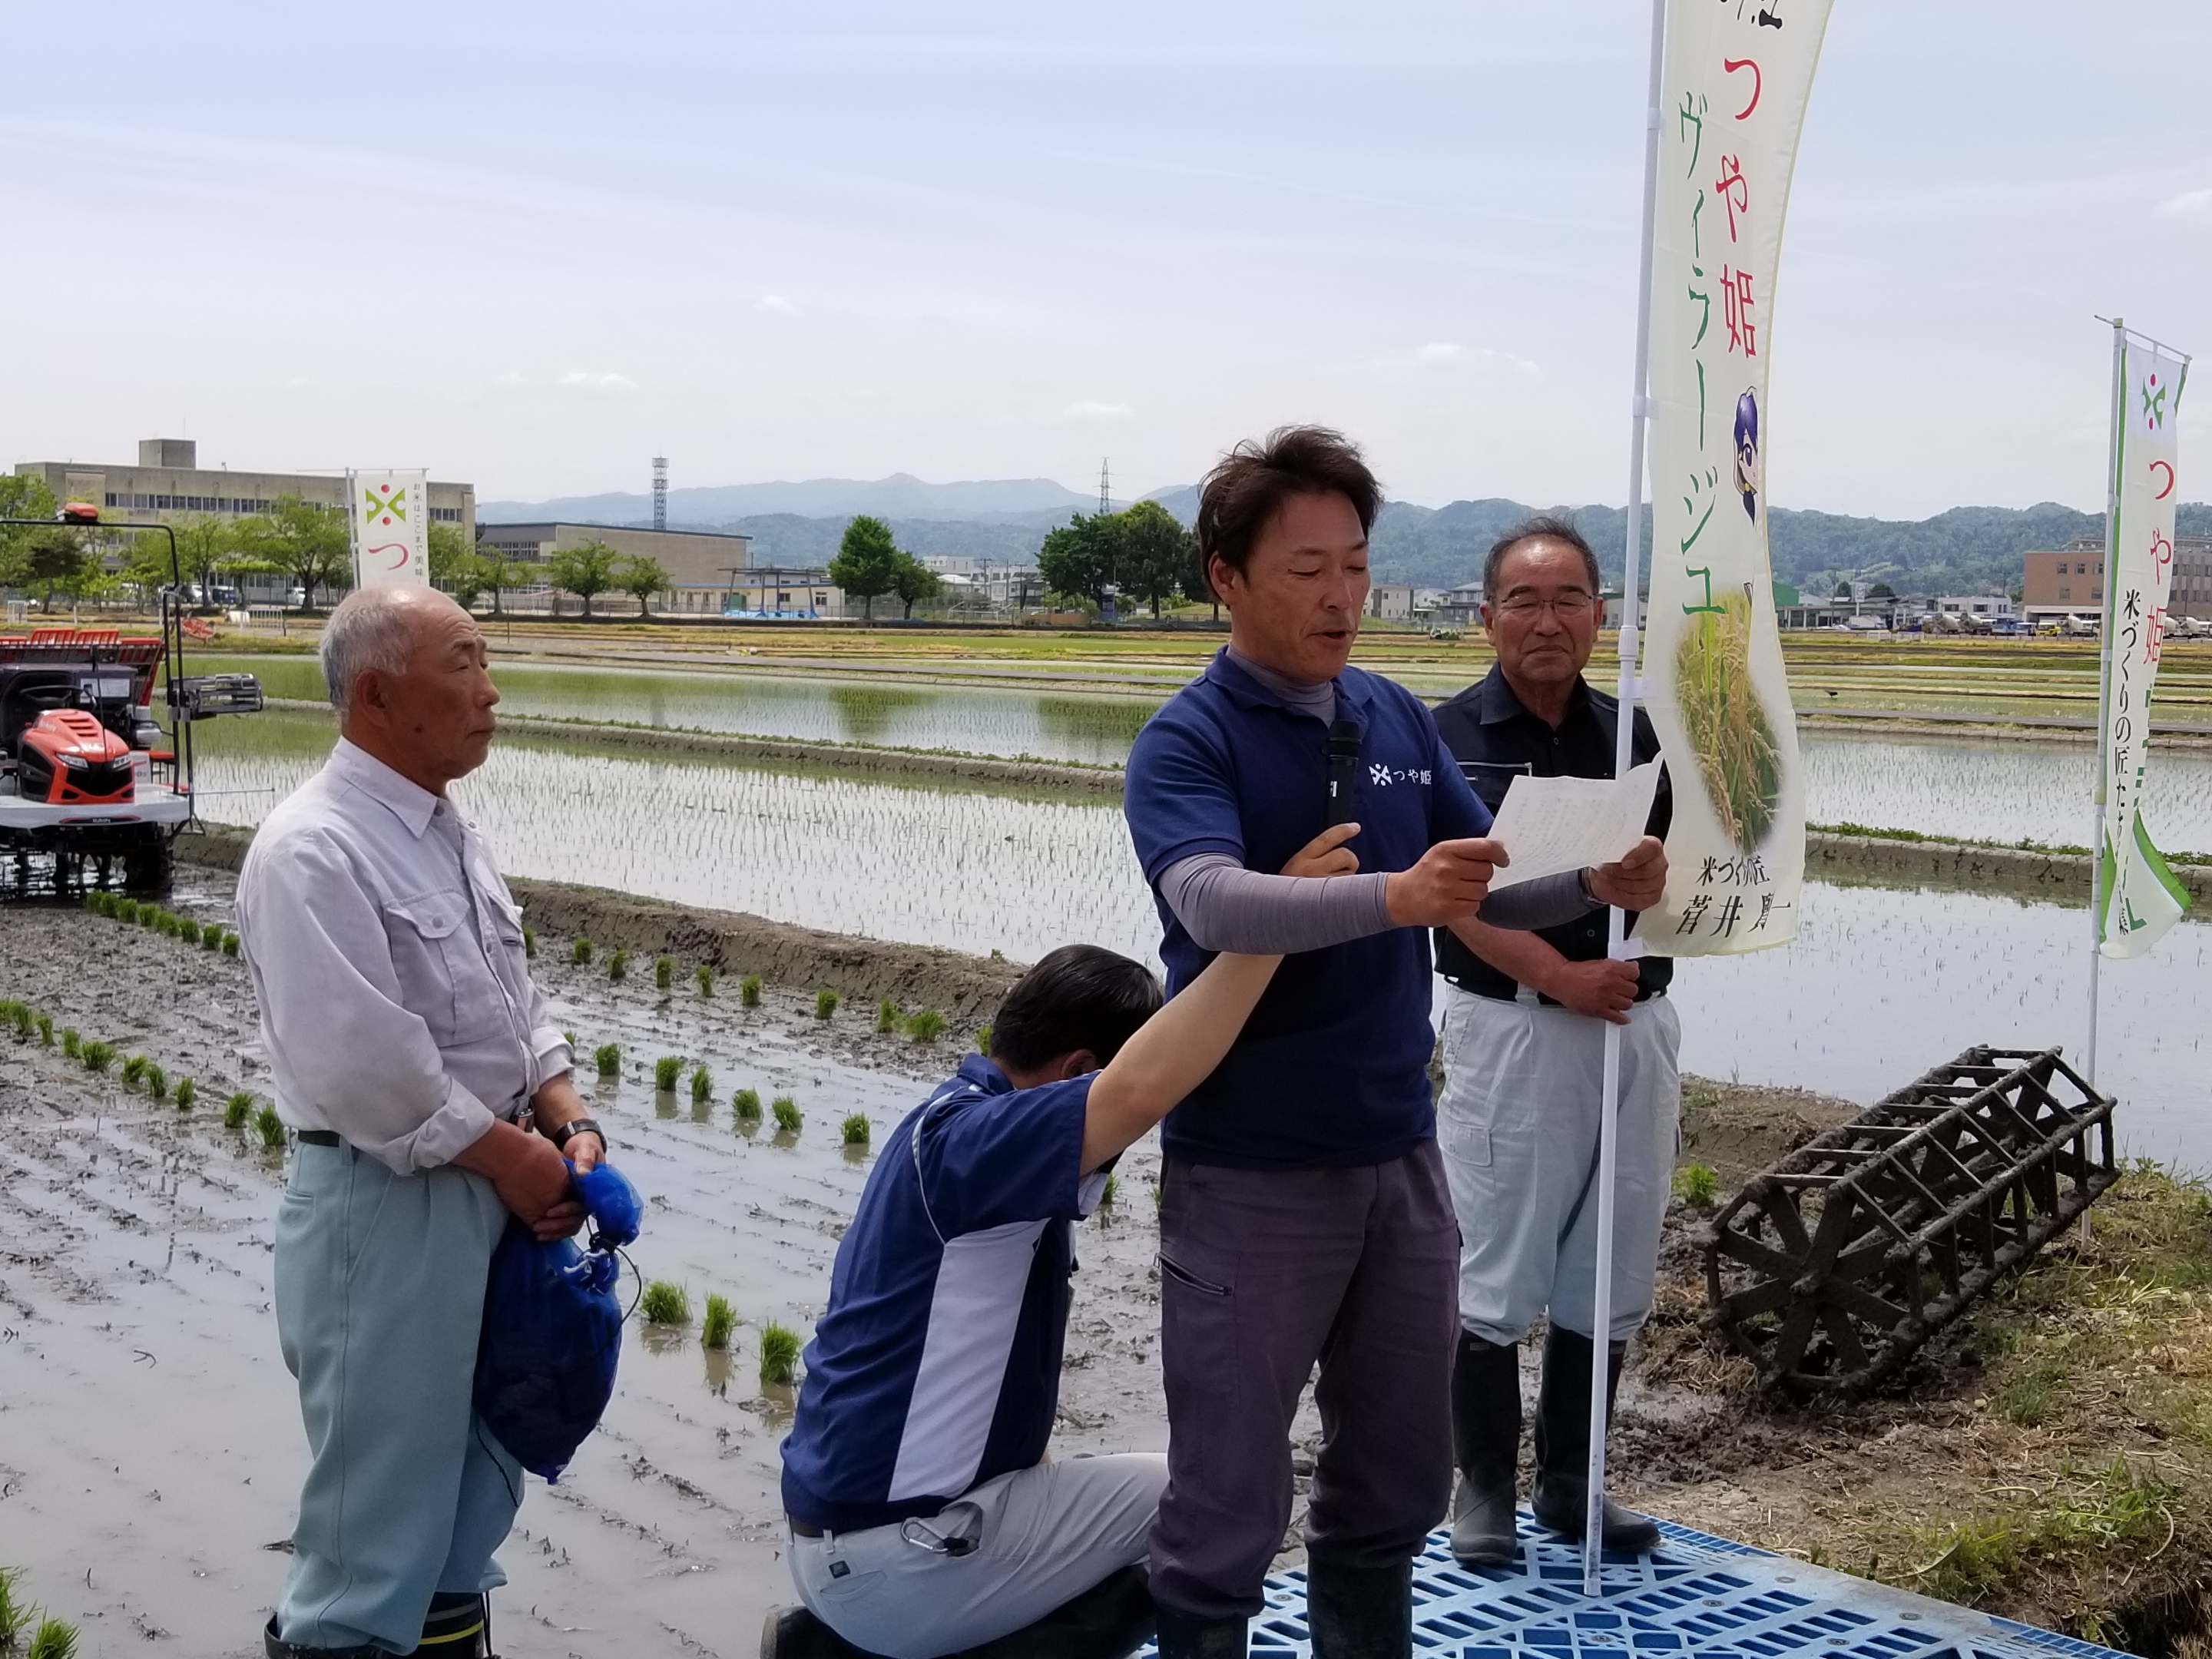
[{"x": 1382, "y": 775}]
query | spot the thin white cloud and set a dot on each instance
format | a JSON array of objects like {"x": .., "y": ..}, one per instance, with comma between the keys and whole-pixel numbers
[
  {"x": 1097, "y": 411},
  {"x": 1451, "y": 354},
  {"x": 2188, "y": 202},
  {"x": 774, "y": 302},
  {"x": 584, "y": 381}
]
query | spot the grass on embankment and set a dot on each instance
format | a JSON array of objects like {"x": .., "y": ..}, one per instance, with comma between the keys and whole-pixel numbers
[{"x": 2049, "y": 1460}]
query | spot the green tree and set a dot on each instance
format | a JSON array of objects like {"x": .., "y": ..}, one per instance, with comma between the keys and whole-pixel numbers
[
  {"x": 56, "y": 560},
  {"x": 587, "y": 570},
  {"x": 1082, "y": 558},
  {"x": 912, "y": 579},
  {"x": 641, "y": 578},
  {"x": 449, "y": 553},
  {"x": 23, "y": 495},
  {"x": 1157, "y": 554},
  {"x": 867, "y": 563},
  {"x": 307, "y": 543}
]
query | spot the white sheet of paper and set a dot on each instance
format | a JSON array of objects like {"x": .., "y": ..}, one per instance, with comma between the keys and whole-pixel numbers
[{"x": 1550, "y": 824}]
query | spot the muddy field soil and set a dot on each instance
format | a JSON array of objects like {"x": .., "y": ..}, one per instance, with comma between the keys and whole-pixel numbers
[{"x": 150, "y": 1449}]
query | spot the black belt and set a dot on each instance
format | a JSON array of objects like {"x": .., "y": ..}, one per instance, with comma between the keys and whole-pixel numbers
[
  {"x": 802, "y": 1529},
  {"x": 319, "y": 1138}
]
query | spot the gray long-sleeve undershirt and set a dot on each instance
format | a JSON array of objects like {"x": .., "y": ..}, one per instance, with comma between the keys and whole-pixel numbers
[{"x": 1225, "y": 907}]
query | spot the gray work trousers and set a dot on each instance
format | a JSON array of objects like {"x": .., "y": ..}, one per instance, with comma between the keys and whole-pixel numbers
[
  {"x": 380, "y": 1305},
  {"x": 1264, "y": 1273},
  {"x": 1518, "y": 1122},
  {"x": 1042, "y": 1536}
]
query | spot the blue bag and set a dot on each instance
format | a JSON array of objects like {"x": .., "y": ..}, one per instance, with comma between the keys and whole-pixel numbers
[{"x": 552, "y": 1329}]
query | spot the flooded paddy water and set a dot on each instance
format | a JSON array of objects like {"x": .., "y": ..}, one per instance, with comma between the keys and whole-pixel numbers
[{"x": 1882, "y": 982}]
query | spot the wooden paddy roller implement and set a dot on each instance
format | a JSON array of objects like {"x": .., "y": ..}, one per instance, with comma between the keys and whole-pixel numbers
[{"x": 1834, "y": 1264}]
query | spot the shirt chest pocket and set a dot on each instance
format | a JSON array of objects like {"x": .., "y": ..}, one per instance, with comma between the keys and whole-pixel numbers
[{"x": 444, "y": 975}]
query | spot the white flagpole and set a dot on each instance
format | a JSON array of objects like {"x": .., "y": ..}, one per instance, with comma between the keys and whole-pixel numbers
[
  {"x": 1624, "y": 753},
  {"x": 2104, "y": 697}
]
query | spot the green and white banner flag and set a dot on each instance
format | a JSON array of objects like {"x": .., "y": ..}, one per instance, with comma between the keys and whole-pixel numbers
[
  {"x": 2141, "y": 898},
  {"x": 1736, "y": 78},
  {"x": 389, "y": 515}
]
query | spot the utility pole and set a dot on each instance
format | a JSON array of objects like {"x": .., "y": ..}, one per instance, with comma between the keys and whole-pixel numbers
[
  {"x": 660, "y": 492},
  {"x": 1105, "y": 501}
]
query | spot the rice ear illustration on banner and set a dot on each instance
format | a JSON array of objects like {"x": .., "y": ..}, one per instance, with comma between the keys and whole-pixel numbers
[{"x": 1738, "y": 758}]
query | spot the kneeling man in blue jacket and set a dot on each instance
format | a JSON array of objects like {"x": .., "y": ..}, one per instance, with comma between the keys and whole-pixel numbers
[{"x": 925, "y": 1517}]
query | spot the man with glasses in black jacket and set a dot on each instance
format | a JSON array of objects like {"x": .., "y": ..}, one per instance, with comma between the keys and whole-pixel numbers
[{"x": 1523, "y": 1049}]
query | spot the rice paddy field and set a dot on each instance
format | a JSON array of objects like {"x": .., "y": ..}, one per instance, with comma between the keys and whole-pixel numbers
[{"x": 1882, "y": 983}]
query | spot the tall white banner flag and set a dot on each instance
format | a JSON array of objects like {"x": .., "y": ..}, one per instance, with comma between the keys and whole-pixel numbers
[
  {"x": 389, "y": 514},
  {"x": 2141, "y": 898},
  {"x": 1737, "y": 77}
]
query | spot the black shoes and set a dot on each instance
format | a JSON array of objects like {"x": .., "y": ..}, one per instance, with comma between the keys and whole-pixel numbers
[
  {"x": 1563, "y": 1446},
  {"x": 1487, "y": 1446},
  {"x": 1359, "y": 1613},
  {"x": 1110, "y": 1620}
]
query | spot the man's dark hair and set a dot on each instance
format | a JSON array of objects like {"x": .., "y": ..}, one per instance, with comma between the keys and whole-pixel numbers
[
  {"x": 1547, "y": 526},
  {"x": 1248, "y": 484},
  {"x": 1080, "y": 996}
]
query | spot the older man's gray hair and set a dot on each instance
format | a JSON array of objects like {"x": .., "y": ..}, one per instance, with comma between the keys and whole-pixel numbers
[{"x": 370, "y": 629}]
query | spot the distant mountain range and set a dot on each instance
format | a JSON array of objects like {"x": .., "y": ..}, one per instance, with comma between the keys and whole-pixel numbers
[
  {"x": 1967, "y": 549},
  {"x": 901, "y": 495}
]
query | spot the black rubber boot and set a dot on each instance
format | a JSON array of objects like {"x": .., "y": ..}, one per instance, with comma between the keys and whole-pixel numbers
[
  {"x": 457, "y": 1627},
  {"x": 1184, "y": 1638},
  {"x": 277, "y": 1648},
  {"x": 1563, "y": 1445},
  {"x": 795, "y": 1633},
  {"x": 1487, "y": 1446},
  {"x": 1359, "y": 1613}
]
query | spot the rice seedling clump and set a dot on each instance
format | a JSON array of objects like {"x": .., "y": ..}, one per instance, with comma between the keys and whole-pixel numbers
[
  {"x": 237, "y": 1109},
  {"x": 97, "y": 1056},
  {"x": 666, "y": 1071},
  {"x": 70, "y": 1048},
  {"x": 607, "y": 1057},
  {"x": 157, "y": 1082},
  {"x": 746, "y": 1101},
  {"x": 664, "y": 971},
  {"x": 187, "y": 1092},
  {"x": 529, "y": 940},
  {"x": 855, "y": 1129},
  {"x": 703, "y": 977},
  {"x": 748, "y": 990},
  {"x": 787, "y": 1113},
  {"x": 825, "y": 1004},
  {"x": 887, "y": 1015},
  {"x": 618, "y": 964},
  {"x": 666, "y": 1303},
  {"x": 722, "y": 1319},
  {"x": 779, "y": 1354},
  {"x": 269, "y": 1126},
  {"x": 703, "y": 1084},
  {"x": 926, "y": 1026},
  {"x": 56, "y": 1640}
]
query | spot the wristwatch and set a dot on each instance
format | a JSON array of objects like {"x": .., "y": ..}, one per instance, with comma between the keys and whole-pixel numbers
[{"x": 576, "y": 1126}]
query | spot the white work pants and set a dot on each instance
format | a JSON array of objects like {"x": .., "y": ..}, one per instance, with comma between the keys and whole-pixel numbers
[
  {"x": 1518, "y": 1124},
  {"x": 1043, "y": 1536}
]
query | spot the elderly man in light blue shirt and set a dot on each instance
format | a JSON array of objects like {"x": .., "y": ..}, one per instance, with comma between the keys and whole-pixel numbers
[{"x": 431, "y": 1097}]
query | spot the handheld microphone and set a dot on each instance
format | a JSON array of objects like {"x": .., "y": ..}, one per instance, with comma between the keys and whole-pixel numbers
[{"x": 1343, "y": 769}]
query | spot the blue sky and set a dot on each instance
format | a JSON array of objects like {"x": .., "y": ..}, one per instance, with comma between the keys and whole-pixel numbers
[{"x": 533, "y": 246}]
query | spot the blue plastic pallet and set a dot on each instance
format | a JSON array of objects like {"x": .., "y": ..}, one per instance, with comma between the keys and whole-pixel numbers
[{"x": 1695, "y": 1597}]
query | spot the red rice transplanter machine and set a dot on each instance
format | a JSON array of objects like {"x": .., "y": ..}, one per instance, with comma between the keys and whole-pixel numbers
[{"x": 93, "y": 791}]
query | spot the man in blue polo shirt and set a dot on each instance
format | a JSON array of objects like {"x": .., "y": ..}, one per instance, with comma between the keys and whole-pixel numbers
[
  {"x": 925, "y": 1517},
  {"x": 1305, "y": 1214}
]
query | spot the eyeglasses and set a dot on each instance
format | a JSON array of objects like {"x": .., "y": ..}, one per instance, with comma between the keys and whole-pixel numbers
[{"x": 1568, "y": 607}]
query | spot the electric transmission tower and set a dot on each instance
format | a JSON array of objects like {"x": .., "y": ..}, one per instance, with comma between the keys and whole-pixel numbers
[
  {"x": 1105, "y": 502},
  {"x": 660, "y": 492}
]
